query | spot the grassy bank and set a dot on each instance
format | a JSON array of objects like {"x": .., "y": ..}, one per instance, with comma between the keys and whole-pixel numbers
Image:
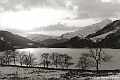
[{"x": 13, "y": 72}]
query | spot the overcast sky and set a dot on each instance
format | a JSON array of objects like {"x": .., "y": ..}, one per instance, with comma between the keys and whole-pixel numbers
[{"x": 54, "y": 15}]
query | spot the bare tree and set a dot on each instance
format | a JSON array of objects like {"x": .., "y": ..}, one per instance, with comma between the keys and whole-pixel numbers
[
  {"x": 20, "y": 58},
  {"x": 54, "y": 57},
  {"x": 99, "y": 56},
  {"x": 84, "y": 62},
  {"x": 29, "y": 60},
  {"x": 6, "y": 58},
  {"x": 65, "y": 61},
  {"x": 13, "y": 56},
  {"x": 45, "y": 59},
  {"x": 1, "y": 60},
  {"x": 26, "y": 59}
]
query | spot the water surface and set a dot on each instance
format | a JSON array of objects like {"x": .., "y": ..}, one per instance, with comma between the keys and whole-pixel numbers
[{"x": 75, "y": 53}]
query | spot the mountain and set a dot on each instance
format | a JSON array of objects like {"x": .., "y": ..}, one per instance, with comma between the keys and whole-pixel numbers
[
  {"x": 46, "y": 40},
  {"x": 110, "y": 28},
  {"x": 107, "y": 31},
  {"x": 75, "y": 42},
  {"x": 51, "y": 42},
  {"x": 65, "y": 40},
  {"x": 78, "y": 38},
  {"x": 16, "y": 41},
  {"x": 5, "y": 45},
  {"x": 111, "y": 33},
  {"x": 39, "y": 37},
  {"x": 84, "y": 31},
  {"x": 111, "y": 41}
]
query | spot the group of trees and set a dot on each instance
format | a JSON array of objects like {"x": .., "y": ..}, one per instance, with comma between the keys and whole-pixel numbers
[
  {"x": 56, "y": 59},
  {"x": 46, "y": 59},
  {"x": 14, "y": 57},
  {"x": 8, "y": 57},
  {"x": 93, "y": 58},
  {"x": 26, "y": 59}
]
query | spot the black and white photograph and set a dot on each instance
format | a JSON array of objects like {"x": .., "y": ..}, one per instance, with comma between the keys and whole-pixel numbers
[{"x": 59, "y": 39}]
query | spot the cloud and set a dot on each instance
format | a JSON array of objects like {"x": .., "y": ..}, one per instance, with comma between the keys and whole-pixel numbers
[
  {"x": 28, "y": 4},
  {"x": 97, "y": 8},
  {"x": 106, "y": 1},
  {"x": 66, "y": 25},
  {"x": 57, "y": 27},
  {"x": 38, "y": 17},
  {"x": 81, "y": 8},
  {"x": 34, "y": 13},
  {"x": 110, "y": 1}
]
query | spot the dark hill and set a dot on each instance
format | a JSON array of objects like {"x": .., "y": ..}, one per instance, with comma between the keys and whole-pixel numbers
[
  {"x": 17, "y": 41},
  {"x": 112, "y": 35},
  {"x": 75, "y": 42}
]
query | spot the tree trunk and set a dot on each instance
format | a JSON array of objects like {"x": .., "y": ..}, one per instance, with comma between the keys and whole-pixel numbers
[
  {"x": 97, "y": 66},
  {"x": 21, "y": 63},
  {"x": 44, "y": 63},
  {"x": 56, "y": 63}
]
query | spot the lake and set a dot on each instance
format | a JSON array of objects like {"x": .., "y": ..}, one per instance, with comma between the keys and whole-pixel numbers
[{"x": 75, "y": 53}]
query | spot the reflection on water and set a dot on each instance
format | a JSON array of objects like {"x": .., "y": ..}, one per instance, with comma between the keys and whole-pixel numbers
[
  {"x": 75, "y": 53},
  {"x": 38, "y": 51}
]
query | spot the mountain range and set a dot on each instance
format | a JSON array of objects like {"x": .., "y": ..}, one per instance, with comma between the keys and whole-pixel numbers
[
  {"x": 66, "y": 40},
  {"x": 106, "y": 33}
]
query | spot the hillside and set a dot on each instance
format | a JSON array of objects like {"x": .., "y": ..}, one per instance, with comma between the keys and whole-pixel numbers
[
  {"x": 39, "y": 37},
  {"x": 16, "y": 41},
  {"x": 109, "y": 35},
  {"x": 112, "y": 27},
  {"x": 75, "y": 42},
  {"x": 80, "y": 39},
  {"x": 111, "y": 41},
  {"x": 84, "y": 31},
  {"x": 51, "y": 42}
]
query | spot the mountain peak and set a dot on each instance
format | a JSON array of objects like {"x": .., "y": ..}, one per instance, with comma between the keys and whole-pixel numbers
[
  {"x": 108, "y": 29},
  {"x": 84, "y": 31}
]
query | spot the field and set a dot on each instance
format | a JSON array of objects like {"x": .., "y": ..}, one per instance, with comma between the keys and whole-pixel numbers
[{"x": 18, "y": 73}]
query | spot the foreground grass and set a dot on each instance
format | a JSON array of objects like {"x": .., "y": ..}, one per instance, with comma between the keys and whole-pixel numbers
[
  {"x": 20, "y": 73},
  {"x": 17, "y": 73}
]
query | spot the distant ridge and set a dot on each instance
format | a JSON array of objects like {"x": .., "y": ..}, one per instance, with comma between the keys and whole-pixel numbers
[
  {"x": 39, "y": 37},
  {"x": 15, "y": 40}
]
